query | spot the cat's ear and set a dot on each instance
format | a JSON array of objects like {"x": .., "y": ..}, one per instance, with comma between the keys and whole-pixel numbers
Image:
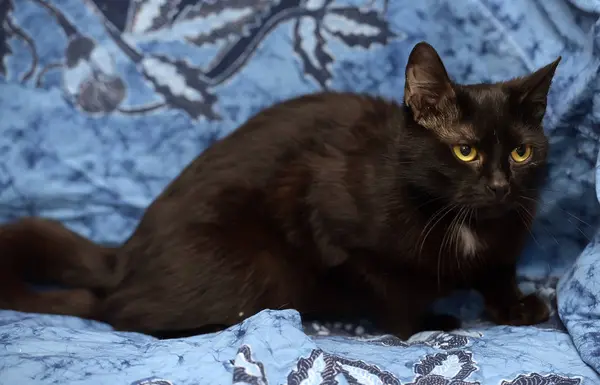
[
  {"x": 532, "y": 91},
  {"x": 428, "y": 89}
]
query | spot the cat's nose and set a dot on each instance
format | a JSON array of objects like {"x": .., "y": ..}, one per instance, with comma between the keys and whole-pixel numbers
[{"x": 499, "y": 189}]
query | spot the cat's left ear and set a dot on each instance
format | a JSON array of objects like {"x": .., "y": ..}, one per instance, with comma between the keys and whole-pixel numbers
[
  {"x": 532, "y": 91},
  {"x": 428, "y": 89}
]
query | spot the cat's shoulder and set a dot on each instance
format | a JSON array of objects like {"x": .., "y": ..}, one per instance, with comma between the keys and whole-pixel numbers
[{"x": 346, "y": 105}]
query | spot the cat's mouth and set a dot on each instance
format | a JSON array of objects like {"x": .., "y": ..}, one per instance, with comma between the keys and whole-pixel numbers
[
  {"x": 493, "y": 209},
  {"x": 485, "y": 206}
]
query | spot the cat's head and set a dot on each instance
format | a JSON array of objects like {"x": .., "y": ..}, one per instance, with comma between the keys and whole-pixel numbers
[{"x": 481, "y": 145}]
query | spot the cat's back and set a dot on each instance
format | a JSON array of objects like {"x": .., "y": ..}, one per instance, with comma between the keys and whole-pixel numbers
[
  {"x": 221, "y": 206},
  {"x": 283, "y": 144},
  {"x": 312, "y": 125},
  {"x": 262, "y": 168}
]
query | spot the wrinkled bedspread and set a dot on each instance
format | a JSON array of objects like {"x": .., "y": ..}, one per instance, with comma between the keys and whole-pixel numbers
[{"x": 103, "y": 102}]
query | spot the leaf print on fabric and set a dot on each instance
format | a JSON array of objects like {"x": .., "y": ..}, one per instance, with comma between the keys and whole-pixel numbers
[
  {"x": 151, "y": 15},
  {"x": 234, "y": 29},
  {"x": 9, "y": 28},
  {"x": 152, "y": 381},
  {"x": 246, "y": 370},
  {"x": 179, "y": 83},
  {"x": 89, "y": 77},
  {"x": 352, "y": 25},
  {"x": 538, "y": 379},
  {"x": 437, "y": 340},
  {"x": 309, "y": 44},
  {"x": 360, "y": 373},
  {"x": 356, "y": 27},
  {"x": 209, "y": 22},
  {"x": 322, "y": 368},
  {"x": 6, "y": 8},
  {"x": 312, "y": 370},
  {"x": 451, "y": 368},
  {"x": 448, "y": 341}
]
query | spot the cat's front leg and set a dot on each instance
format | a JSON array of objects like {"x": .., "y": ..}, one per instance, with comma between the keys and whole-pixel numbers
[
  {"x": 402, "y": 306},
  {"x": 404, "y": 318},
  {"x": 505, "y": 303}
]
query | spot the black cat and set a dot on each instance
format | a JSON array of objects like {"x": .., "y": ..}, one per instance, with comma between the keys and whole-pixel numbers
[{"x": 335, "y": 204}]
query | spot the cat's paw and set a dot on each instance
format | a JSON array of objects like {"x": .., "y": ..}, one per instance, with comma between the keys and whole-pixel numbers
[
  {"x": 439, "y": 322},
  {"x": 530, "y": 310}
]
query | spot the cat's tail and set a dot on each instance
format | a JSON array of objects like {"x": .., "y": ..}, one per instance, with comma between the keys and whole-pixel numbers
[{"x": 35, "y": 250}]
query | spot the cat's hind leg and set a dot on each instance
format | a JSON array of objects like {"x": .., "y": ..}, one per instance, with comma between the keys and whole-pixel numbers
[
  {"x": 42, "y": 251},
  {"x": 439, "y": 322}
]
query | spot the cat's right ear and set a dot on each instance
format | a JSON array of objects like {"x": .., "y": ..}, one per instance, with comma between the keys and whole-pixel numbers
[{"x": 428, "y": 88}]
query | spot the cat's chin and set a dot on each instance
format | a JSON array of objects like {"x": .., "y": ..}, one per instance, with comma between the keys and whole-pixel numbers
[
  {"x": 494, "y": 211},
  {"x": 490, "y": 209}
]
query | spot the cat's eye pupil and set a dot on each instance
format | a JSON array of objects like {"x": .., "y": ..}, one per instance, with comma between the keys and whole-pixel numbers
[
  {"x": 465, "y": 150},
  {"x": 521, "y": 150}
]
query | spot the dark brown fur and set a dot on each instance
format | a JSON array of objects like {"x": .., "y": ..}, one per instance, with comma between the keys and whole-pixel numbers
[{"x": 323, "y": 204}]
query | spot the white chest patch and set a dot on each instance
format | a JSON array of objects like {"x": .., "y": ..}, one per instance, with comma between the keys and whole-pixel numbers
[{"x": 468, "y": 241}]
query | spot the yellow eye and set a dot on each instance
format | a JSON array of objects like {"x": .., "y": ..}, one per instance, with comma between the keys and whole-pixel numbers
[
  {"x": 464, "y": 152},
  {"x": 521, "y": 153}
]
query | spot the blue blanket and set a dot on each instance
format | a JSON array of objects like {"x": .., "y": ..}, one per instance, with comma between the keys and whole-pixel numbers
[{"x": 103, "y": 102}]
